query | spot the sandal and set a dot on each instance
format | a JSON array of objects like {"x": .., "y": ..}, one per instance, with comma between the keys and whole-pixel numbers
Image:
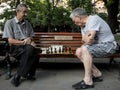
[
  {"x": 77, "y": 84},
  {"x": 97, "y": 79},
  {"x": 82, "y": 85}
]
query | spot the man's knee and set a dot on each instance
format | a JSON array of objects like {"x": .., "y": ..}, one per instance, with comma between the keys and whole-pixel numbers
[
  {"x": 85, "y": 50},
  {"x": 78, "y": 51}
]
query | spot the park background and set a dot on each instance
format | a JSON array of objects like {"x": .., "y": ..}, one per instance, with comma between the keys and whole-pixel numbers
[{"x": 53, "y": 15}]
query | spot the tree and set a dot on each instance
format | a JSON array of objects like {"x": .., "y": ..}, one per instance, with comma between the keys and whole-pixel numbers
[
  {"x": 87, "y": 4},
  {"x": 47, "y": 15},
  {"x": 8, "y": 12},
  {"x": 113, "y": 10}
]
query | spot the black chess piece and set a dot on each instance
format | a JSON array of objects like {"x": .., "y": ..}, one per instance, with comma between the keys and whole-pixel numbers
[
  {"x": 55, "y": 50},
  {"x": 63, "y": 49},
  {"x": 59, "y": 49}
]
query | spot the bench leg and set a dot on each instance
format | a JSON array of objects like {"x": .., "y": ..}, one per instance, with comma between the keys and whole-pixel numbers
[
  {"x": 111, "y": 61},
  {"x": 8, "y": 66},
  {"x": 119, "y": 69}
]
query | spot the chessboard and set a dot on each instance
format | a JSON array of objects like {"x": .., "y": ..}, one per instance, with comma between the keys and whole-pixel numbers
[{"x": 57, "y": 49}]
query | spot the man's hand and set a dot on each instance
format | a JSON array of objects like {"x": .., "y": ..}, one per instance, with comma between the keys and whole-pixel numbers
[
  {"x": 89, "y": 38},
  {"x": 27, "y": 40},
  {"x": 33, "y": 44}
]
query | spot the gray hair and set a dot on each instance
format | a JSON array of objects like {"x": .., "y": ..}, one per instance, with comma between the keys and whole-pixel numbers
[
  {"x": 20, "y": 6},
  {"x": 77, "y": 12}
]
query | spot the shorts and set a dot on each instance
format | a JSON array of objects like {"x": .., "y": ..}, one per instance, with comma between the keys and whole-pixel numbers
[{"x": 102, "y": 49}]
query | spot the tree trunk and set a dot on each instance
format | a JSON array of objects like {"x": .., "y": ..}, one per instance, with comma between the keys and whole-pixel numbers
[
  {"x": 112, "y": 15},
  {"x": 17, "y": 3}
]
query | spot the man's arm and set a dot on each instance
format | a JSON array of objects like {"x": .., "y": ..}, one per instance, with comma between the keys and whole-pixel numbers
[
  {"x": 89, "y": 38},
  {"x": 16, "y": 42}
]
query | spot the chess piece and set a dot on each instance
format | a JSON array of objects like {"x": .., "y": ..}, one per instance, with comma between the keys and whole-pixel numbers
[
  {"x": 51, "y": 50},
  {"x": 59, "y": 49},
  {"x": 55, "y": 50},
  {"x": 47, "y": 51},
  {"x": 65, "y": 49},
  {"x": 70, "y": 50}
]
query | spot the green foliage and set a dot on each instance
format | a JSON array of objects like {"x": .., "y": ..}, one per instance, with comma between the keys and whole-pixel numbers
[
  {"x": 86, "y": 4},
  {"x": 44, "y": 13},
  {"x": 117, "y": 38},
  {"x": 37, "y": 12},
  {"x": 8, "y": 13},
  {"x": 109, "y": 2},
  {"x": 103, "y": 16}
]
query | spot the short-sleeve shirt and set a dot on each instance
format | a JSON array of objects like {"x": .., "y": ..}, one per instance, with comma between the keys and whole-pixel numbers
[
  {"x": 103, "y": 31},
  {"x": 17, "y": 30}
]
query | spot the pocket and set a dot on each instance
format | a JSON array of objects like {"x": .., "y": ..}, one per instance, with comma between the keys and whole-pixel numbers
[{"x": 17, "y": 34}]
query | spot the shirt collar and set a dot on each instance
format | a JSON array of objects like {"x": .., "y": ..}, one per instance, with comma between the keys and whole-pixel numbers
[{"x": 17, "y": 21}]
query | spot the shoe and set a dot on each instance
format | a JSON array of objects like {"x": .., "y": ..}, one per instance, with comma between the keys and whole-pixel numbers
[
  {"x": 77, "y": 84},
  {"x": 97, "y": 79},
  {"x": 16, "y": 80},
  {"x": 30, "y": 77},
  {"x": 82, "y": 85}
]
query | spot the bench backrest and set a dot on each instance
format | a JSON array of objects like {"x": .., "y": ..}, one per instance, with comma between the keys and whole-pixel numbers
[{"x": 45, "y": 39}]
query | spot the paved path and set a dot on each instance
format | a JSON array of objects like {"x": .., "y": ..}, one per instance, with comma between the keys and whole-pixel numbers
[{"x": 62, "y": 77}]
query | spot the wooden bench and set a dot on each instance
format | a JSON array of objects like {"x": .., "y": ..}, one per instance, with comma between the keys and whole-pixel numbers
[
  {"x": 69, "y": 42},
  {"x": 67, "y": 39}
]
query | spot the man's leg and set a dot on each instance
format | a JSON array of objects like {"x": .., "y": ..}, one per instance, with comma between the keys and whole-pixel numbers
[
  {"x": 87, "y": 61},
  {"x": 26, "y": 61},
  {"x": 95, "y": 71},
  {"x": 83, "y": 54},
  {"x": 31, "y": 73}
]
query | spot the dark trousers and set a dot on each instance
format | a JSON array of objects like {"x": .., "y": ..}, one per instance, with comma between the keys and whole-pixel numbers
[{"x": 27, "y": 57}]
